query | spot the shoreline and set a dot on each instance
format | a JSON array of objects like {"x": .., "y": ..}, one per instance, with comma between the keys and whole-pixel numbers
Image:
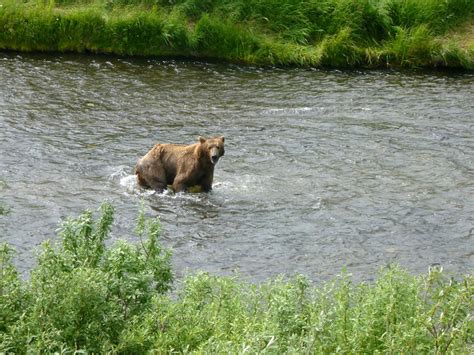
[{"x": 171, "y": 32}]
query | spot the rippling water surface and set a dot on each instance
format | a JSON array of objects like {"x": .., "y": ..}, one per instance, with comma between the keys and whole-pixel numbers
[{"x": 323, "y": 169}]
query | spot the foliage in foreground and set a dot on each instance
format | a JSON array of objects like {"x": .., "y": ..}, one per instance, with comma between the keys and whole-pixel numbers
[
  {"x": 81, "y": 295},
  {"x": 84, "y": 295},
  {"x": 330, "y": 33}
]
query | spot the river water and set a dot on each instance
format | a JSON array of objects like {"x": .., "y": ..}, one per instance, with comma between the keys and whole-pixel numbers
[{"x": 324, "y": 170}]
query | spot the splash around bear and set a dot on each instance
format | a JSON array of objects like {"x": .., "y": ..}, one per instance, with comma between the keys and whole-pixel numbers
[{"x": 181, "y": 166}]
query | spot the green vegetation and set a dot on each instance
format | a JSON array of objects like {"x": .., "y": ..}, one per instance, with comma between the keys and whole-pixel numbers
[
  {"x": 82, "y": 295},
  {"x": 317, "y": 33},
  {"x": 87, "y": 295}
]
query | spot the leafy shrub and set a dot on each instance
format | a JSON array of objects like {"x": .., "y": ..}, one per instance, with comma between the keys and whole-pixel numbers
[
  {"x": 399, "y": 313},
  {"x": 82, "y": 294},
  {"x": 87, "y": 296},
  {"x": 12, "y": 294}
]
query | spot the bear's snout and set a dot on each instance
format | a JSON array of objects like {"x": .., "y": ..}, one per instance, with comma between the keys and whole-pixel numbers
[
  {"x": 214, "y": 159},
  {"x": 214, "y": 154}
]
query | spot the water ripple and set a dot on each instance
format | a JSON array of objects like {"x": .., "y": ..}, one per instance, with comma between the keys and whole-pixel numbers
[{"x": 323, "y": 169}]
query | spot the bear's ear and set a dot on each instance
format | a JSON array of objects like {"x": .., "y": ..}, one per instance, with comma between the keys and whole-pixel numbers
[
  {"x": 222, "y": 138},
  {"x": 202, "y": 140}
]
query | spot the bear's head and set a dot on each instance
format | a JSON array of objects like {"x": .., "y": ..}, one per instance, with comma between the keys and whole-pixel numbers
[{"x": 213, "y": 148}]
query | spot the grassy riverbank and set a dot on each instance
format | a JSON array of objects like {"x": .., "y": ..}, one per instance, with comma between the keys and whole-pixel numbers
[
  {"x": 85, "y": 295},
  {"x": 316, "y": 33}
]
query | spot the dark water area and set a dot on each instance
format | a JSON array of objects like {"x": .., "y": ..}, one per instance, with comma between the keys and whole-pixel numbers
[{"x": 324, "y": 170}]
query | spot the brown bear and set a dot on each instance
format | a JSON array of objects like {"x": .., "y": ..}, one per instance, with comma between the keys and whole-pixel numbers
[{"x": 181, "y": 166}]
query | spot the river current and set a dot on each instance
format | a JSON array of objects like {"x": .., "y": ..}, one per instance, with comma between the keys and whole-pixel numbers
[{"x": 323, "y": 171}]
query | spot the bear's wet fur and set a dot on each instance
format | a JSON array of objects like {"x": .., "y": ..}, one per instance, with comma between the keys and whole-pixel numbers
[{"x": 181, "y": 166}]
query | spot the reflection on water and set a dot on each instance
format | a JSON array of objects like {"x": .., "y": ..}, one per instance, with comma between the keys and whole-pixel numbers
[{"x": 323, "y": 169}]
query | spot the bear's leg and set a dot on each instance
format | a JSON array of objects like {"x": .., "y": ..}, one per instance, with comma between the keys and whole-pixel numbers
[
  {"x": 180, "y": 183},
  {"x": 141, "y": 181},
  {"x": 157, "y": 185},
  {"x": 206, "y": 182},
  {"x": 152, "y": 176}
]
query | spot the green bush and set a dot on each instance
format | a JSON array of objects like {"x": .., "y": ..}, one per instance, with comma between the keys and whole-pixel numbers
[
  {"x": 399, "y": 313},
  {"x": 87, "y": 296},
  {"x": 82, "y": 294},
  {"x": 12, "y": 294}
]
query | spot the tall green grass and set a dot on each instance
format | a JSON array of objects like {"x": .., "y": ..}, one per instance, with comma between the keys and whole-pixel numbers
[
  {"x": 333, "y": 33},
  {"x": 86, "y": 295}
]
